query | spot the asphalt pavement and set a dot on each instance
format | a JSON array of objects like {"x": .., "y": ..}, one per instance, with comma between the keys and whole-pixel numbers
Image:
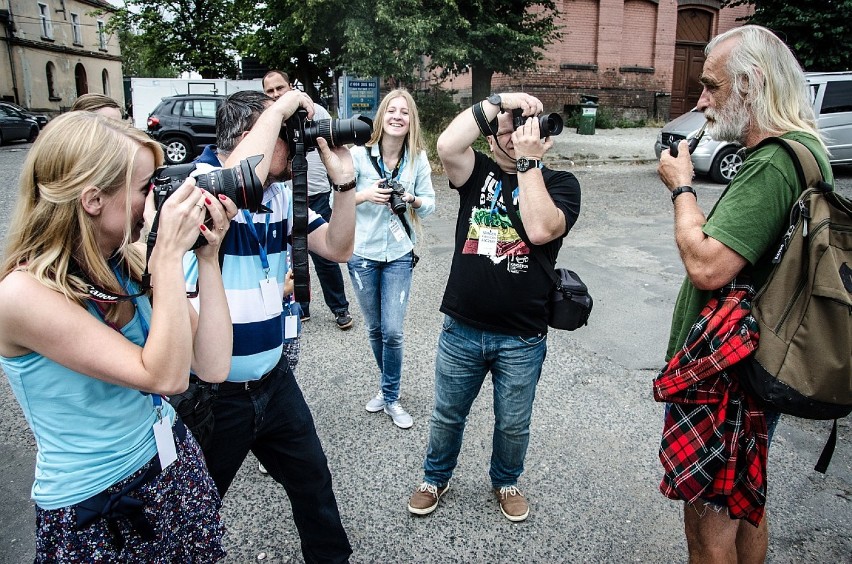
[{"x": 592, "y": 470}]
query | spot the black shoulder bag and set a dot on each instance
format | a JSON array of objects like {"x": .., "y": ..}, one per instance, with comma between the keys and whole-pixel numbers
[{"x": 569, "y": 303}]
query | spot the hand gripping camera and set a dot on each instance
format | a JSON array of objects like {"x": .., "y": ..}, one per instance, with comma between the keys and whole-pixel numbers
[{"x": 240, "y": 183}]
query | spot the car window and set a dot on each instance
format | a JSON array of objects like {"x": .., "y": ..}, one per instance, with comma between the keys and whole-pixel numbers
[
  {"x": 837, "y": 97},
  {"x": 177, "y": 107},
  {"x": 813, "y": 89},
  {"x": 204, "y": 108},
  {"x": 3, "y": 111}
]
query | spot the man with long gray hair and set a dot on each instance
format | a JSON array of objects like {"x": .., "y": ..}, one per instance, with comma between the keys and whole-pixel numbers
[{"x": 753, "y": 89}]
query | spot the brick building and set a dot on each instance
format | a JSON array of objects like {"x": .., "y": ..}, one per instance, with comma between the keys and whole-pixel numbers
[
  {"x": 641, "y": 58},
  {"x": 55, "y": 50}
]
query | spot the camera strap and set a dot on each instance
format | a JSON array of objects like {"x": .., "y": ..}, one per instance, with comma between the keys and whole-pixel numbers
[
  {"x": 301, "y": 274},
  {"x": 395, "y": 174}
]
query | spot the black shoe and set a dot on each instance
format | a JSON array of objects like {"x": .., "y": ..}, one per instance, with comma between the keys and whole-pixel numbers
[
  {"x": 343, "y": 319},
  {"x": 306, "y": 313}
]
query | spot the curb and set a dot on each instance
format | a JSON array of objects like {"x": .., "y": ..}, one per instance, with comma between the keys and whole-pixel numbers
[{"x": 583, "y": 161}]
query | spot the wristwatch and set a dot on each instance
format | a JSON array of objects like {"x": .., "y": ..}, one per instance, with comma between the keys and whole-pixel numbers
[
  {"x": 496, "y": 100},
  {"x": 524, "y": 164},
  {"x": 681, "y": 189}
]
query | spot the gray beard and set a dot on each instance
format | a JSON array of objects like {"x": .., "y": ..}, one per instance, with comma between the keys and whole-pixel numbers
[{"x": 730, "y": 124}]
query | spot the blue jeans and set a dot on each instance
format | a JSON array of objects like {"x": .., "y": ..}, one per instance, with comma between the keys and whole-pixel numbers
[
  {"x": 328, "y": 272},
  {"x": 382, "y": 289},
  {"x": 465, "y": 356},
  {"x": 275, "y": 423}
]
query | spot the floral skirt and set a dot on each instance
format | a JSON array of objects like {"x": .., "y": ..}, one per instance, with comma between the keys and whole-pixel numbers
[{"x": 181, "y": 504}]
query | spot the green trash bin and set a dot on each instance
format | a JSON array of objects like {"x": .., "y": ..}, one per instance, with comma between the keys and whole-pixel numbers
[{"x": 589, "y": 113}]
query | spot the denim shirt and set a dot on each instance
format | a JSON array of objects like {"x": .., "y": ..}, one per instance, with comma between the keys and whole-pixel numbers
[{"x": 374, "y": 237}]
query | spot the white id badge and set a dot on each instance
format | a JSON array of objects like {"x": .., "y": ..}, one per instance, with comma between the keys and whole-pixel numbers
[
  {"x": 272, "y": 298},
  {"x": 165, "y": 442},
  {"x": 487, "y": 242},
  {"x": 291, "y": 326},
  {"x": 396, "y": 229}
]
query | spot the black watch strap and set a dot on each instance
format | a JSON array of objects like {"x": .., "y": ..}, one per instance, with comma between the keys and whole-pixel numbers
[{"x": 681, "y": 189}]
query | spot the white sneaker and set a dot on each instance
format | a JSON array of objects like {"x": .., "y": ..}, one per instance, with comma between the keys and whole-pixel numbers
[
  {"x": 376, "y": 404},
  {"x": 400, "y": 417},
  {"x": 261, "y": 468}
]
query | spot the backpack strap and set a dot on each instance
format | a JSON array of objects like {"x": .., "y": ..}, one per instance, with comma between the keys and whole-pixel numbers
[{"x": 807, "y": 168}]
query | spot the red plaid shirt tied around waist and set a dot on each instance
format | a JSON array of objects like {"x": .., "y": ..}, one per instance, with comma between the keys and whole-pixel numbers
[{"x": 714, "y": 442}]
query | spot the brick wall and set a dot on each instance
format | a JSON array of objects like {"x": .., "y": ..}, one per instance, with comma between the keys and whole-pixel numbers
[{"x": 619, "y": 50}]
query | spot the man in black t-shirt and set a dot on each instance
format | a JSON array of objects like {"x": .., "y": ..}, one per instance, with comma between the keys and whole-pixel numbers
[{"x": 495, "y": 302}]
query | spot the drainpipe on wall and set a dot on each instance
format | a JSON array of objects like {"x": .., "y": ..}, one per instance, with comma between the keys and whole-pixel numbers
[{"x": 6, "y": 20}]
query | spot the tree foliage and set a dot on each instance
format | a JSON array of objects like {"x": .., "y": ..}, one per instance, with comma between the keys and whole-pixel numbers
[
  {"x": 189, "y": 35},
  {"x": 140, "y": 58},
  {"x": 301, "y": 37},
  {"x": 819, "y": 33}
]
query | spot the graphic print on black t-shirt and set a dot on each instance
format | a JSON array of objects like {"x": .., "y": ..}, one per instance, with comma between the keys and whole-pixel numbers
[{"x": 490, "y": 219}]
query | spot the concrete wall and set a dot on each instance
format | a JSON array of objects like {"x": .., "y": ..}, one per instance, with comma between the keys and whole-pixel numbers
[{"x": 32, "y": 52}]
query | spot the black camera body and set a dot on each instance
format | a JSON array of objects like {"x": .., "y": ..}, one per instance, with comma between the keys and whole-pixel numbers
[
  {"x": 240, "y": 183},
  {"x": 548, "y": 124},
  {"x": 336, "y": 132},
  {"x": 395, "y": 200}
]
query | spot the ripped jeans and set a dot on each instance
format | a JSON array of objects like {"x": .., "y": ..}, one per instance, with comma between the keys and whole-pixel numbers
[{"x": 382, "y": 289}]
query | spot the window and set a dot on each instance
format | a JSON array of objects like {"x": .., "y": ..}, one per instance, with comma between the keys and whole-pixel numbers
[
  {"x": 837, "y": 97},
  {"x": 50, "y": 72},
  {"x": 200, "y": 108},
  {"x": 105, "y": 81},
  {"x": 46, "y": 23},
  {"x": 76, "y": 31},
  {"x": 101, "y": 36}
]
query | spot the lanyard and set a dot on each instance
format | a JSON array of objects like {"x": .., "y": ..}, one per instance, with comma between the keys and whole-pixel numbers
[
  {"x": 396, "y": 171},
  {"x": 497, "y": 191},
  {"x": 264, "y": 259}
]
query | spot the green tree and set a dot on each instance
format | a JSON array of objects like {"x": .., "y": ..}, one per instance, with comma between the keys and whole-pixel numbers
[
  {"x": 301, "y": 37},
  {"x": 502, "y": 36},
  {"x": 189, "y": 35},
  {"x": 819, "y": 33},
  {"x": 139, "y": 59}
]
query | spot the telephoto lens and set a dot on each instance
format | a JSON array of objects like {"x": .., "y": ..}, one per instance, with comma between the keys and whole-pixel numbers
[
  {"x": 338, "y": 132},
  {"x": 240, "y": 183}
]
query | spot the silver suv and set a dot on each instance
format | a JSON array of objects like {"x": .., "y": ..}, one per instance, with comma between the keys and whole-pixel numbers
[{"x": 831, "y": 94}]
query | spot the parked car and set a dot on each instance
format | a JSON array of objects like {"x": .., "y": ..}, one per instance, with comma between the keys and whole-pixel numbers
[
  {"x": 15, "y": 126},
  {"x": 831, "y": 94},
  {"x": 41, "y": 119},
  {"x": 184, "y": 124}
]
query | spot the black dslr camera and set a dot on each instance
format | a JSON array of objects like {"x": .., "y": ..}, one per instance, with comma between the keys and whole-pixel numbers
[
  {"x": 336, "y": 132},
  {"x": 548, "y": 124},
  {"x": 396, "y": 202},
  {"x": 240, "y": 183}
]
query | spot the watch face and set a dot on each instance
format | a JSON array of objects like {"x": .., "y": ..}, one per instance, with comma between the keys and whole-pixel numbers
[
  {"x": 523, "y": 164},
  {"x": 494, "y": 99}
]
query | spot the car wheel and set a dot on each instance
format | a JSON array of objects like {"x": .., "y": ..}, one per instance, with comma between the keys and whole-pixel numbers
[
  {"x": 177, "y": 150},
  {"x": 33, "y": 134},
  {"x": 727, "y": 163}
]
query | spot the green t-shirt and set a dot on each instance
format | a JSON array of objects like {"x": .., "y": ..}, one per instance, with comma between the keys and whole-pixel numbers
[{"x": 750, "y": 217}]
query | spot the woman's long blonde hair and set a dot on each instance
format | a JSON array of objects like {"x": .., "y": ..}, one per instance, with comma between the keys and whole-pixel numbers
[
  {"x": 50, "y": 229},
  {"x": 413, "y": 144}
]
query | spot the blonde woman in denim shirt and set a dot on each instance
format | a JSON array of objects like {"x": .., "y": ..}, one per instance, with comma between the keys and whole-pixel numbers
[{"x": 383, "y": 261}]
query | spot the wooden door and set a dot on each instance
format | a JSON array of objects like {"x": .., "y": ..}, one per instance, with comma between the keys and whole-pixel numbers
[{"x": 694, "y": 28}]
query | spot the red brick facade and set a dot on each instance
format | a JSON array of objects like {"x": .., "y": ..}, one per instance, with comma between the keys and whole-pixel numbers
[{"x": 622, "y": 51}]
